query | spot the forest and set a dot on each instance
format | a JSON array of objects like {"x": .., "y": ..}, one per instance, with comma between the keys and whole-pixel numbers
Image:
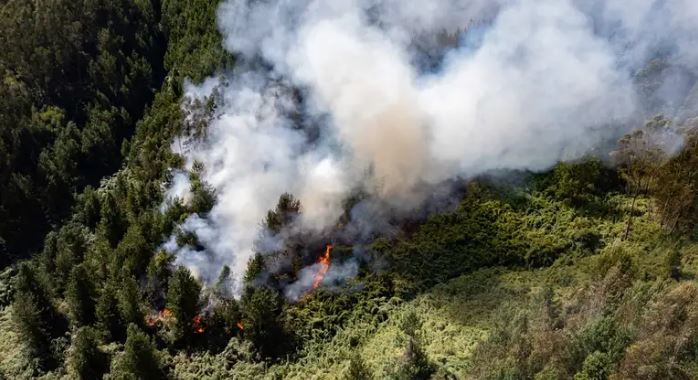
[{"x": 584, "y": 270}]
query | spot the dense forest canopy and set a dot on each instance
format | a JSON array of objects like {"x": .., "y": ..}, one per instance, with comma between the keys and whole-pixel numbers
[
  {"x": 141, "y": 140},
  {"x": 77, "y": 75}
]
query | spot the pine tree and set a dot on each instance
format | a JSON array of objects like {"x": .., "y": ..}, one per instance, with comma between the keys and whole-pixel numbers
[
  {"x": 88, "y": 212},
  {"x": 108, "y": 316},
  {"x": 140, "y": 359},
  {"x": 222, "y": 288},
  {"x": 112, "y": 223},
  {"x": 28, "y": 322},
  {"x": 287, "y": 210},
  {"x": 183, "y": 300},
  {"x": 224, "y": 322},
  {"x": 85, "y": 359},
  {"x": 34, "y": 317},
  {"x": 129, "y": 299},
  {"x": 80, "y": 297},
  {"x": 415, "y": 364},
  {"x": 261, "y": 309},
  {"x": 255, "y": 267}
]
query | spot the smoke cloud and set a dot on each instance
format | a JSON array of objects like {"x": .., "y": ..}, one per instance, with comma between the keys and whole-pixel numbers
[{"x": 392, "y": 98}]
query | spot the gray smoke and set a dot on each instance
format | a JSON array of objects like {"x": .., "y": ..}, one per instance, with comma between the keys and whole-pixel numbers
[{"x": 402, "y": 96}]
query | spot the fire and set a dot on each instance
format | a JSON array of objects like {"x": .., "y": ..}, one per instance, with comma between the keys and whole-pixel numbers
[
  {"x": 324, "y": 266},
  {"x": 152, "y": 319},
  {"x": 240, "y": 325},
  {"x": 196, "y": 323}
]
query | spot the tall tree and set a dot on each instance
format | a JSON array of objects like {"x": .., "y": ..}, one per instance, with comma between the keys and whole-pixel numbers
[
  {"x": 34, "y": 317},
  {"x": 85, "y": 359},
  {"x": 108, "y": 317},
  {"x": 140, "y": 359},
  {"x": 261, "y": 309},
  {"x": 183, "y": 301},
  {"x": 640, "y": 156},
  {"x": 80, "y": 296}
]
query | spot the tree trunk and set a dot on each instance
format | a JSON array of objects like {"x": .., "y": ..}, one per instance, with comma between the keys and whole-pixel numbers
[{"x": 629, "y": 224}]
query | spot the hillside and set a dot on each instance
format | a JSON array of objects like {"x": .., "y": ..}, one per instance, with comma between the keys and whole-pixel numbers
[
  {"x": 257, "y": 190},
  {"x": 622, "y": 309}
]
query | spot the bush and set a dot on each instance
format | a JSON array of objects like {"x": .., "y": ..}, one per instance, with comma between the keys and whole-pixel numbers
[
  {"x": 357, "y": 369},
  {"x": 597, "y": 366}
]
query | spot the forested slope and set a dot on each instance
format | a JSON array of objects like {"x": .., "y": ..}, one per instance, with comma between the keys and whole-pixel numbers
[
  {"x": 92, "y": 100},
  {"x": 585, "y": 271},
  {"x": 76, "y": 76}
]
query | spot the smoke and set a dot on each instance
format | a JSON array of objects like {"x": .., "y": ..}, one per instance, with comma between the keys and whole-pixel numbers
[
  {"x": 179, "y": 189},
  {"x": 392, "y": 99}
]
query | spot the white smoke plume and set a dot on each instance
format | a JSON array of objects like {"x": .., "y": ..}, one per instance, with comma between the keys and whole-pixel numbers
[{"x": 392, "y": 98}]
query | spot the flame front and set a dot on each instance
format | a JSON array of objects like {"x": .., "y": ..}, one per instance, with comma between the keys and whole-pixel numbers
[
  {"x": 197, "y": 325},
  {"x": 152, "y": 319},
  {"x": 240, "y": 326},
  {"x": 324, "y": 266}
]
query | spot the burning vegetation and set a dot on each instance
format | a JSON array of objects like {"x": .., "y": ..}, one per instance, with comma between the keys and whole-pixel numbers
[
  {"x": 324, "y": 262},
  {"x": 197, "y": 324},
  {"x": 153, "y": 319}
]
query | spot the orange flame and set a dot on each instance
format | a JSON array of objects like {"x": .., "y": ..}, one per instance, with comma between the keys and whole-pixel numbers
[
  {"x": 153, "y": 319},
  {"x": 240, "y": 325},
  {"x": 196, "y": 323},
  {"x": 324, "y": 266}
]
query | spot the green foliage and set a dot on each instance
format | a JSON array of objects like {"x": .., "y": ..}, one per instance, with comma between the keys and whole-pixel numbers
[
  {"x": 222, "y": 324},
  {"x": 516, "y": 282},
  {"x": 35, "y": 317},
  {"x": 287, "y": 209},
  {"x": 578, "y": 183},
  {"x": 195, "y": 46},
  {"x": 140, "y": 359},
  {"x": 133, "y": 251},
  {"x": 203, "y": 195},
  {"x": 77, "y": 81},
  {"x": 128, "y": 298},
  {"x": 88, "y": 208},
  {"x": 80, "y": 297},
  {"x": 674, "y": 192},
  {"x": 261, "y": 309},
  {"x": 673, "y": 264},
  {"x": 28, "y": 316},
  {"x": 410, "y": 324},
  {"x": 602, "y": 336},
  {"x": 596, "y": 367},
  {"x": 108, "y": 316},
  {"x": 74, "y": 77},
  {"x": 64, "y": 249},
  {"x": 117, "y": 307},
  {"x": 254, "y": 269},
  {"x": 357, "y": 369},
  {"x": 183, "y": 300},
  {"x": 414, "y": 364},
  {"x": 158, "y": 274},
  {"x": 112, "y": 223},
  {"x": 85, "y": 359},
  {"x": 489, "y": 228}
]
